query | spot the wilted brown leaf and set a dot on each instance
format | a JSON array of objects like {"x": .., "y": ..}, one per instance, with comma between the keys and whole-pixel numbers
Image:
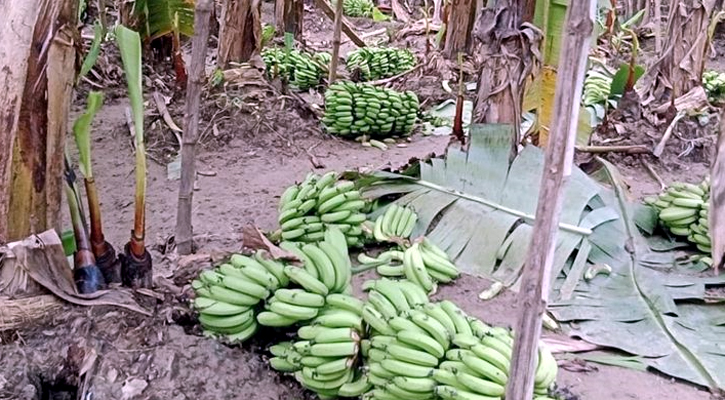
[{"x": 253, "y": 238}]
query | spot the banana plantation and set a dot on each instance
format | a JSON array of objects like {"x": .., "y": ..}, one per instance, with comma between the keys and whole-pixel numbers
[{"x": 364, "y": 199}]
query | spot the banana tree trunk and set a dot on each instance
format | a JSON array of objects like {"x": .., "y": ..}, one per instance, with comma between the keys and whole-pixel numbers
[
  {"x": 241, "y": 31},
  {"x": 510, "y": 47},
  {"x": 458, "y": 28},
  {"x": 37, "y": 69},
  {"x": 682, "y": 57},
  {"x": 288, "y": 16}
]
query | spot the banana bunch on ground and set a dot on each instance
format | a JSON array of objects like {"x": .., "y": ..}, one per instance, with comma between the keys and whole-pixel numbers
[
  {"x": 354, "y": 109},
  {"x": 714, "y": 84},
  {"x": 310, "y": 208},
  {"x": 298, "y": 68},
  {"x": 387, "y": 264},
  {"x": 358, "y": 8},
  {"x": 396, "y": 222},
  {"x": 326, "y": 269},
  {"x": 683, "y": 208},
  {"x": 323, "y": 58},
  {"x": 380, "y": 62},
  {"x": 325, "y": 359},
  {"x": 423, "y": 350},
  {"x": 227, "y": 298},
  {"x": 423, "y": 264},
  {"x": 596, "y": 88}
]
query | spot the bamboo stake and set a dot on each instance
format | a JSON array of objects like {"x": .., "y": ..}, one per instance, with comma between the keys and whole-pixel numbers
[
  {"x": 557, "y": 169},
  {"x": 184, "y": 230},
  {"x": 336, "y": 42}
]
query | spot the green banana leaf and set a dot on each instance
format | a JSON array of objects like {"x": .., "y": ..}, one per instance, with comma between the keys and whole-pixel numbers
[
  {"x": 82, "y": 132},
  {"x": 478, "y": 207},
  {"x": 456, "y": 196},
  {"x": 163, "y": 17},
  {"x": 641, "y": 308},
  {"x": 129, "y": 44},
  {"x": 90, "y": 60}
]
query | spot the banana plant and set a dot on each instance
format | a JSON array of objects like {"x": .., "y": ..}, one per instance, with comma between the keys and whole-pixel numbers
[
  {"x": 86, "y": 274},
  {"x": 136, "y": 261},
  {"x": 102, "y": 250}
]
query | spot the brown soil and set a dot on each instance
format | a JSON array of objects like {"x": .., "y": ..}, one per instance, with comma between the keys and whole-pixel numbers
[{"x": 261, "y": 150}]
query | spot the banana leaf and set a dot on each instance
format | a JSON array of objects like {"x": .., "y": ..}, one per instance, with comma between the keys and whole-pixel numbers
[
  {"x": 643, "y": 309},
  {"x": 468, "y": 190},
  {"x": 163, "y": 17},
  {"x": 82, "y": 132},
  {"x": 90, "y": 60},
  {"x": 478, "y": 206}
]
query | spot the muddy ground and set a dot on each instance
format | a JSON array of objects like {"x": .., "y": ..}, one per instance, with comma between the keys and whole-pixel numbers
[{"x": 252, "y": 155}]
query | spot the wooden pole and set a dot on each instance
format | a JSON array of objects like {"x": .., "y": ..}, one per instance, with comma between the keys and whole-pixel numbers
[
  {"x": 184, "y": 230},
  {"x": 336, "y": 42},
  {"x": 325, "y": 7},
  {"x": 717, "y": 200},
  {"x": 557, "y": 169}
]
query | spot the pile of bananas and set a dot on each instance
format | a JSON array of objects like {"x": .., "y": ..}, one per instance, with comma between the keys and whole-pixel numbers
[
  {"x": 308, "y": 209},
  {"x": 380, "y": 62},
  {"x": 227, "y": 297},
  {"x": 358, "y": 8},
  {"x": 299, "y": 69},
  {"x": 326, "y": 356},
  {"x": 683, "y": 209},
  {"x": 714, "y": 84},
  {"x": 354, "y": 109},
  {"x": 596, "y": 88},
  {"x": 423, "y": 350}
]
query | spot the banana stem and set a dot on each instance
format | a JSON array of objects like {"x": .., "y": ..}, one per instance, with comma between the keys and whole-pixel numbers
[
  {"x": 363, "y": 268},
  {"x": 94, "y": 211},
  {"x": 139, "y": 227}
]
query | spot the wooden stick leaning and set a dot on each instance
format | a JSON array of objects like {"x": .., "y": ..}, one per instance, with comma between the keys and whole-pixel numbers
[
  {"x": 345, "y": 26},
  {"x": 184, "y": 231},
  {"x": 534, "y": 292}
]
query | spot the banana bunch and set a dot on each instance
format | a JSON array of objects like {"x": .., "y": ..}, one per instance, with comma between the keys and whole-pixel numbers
[
  {"x": 323, "y": 58},
  {"x": 714, "y": 84},
  {"x": 228, "y": 296},
  {"x": 387, "y": 264},
  {"x": 478, "y": 364},
  {"x": 299, "y": 69},
  {"x": 423, "y": 350},
  {"x": 326, "y": 356},
  {"x": 405, "y": 346},
  {"x": 326, "y": 269},
  {"x": 319, "y": 203},
  {"x": 355, "y": 109},
  {"x": 396, "y": 222},
  {"x": 358, "y": 8},
  {"x": 425, "y": 264},
  {"x": 596, "y": 88},
  {"x": 380, "y": 62},
  {"x": 683, "y": 209}
]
